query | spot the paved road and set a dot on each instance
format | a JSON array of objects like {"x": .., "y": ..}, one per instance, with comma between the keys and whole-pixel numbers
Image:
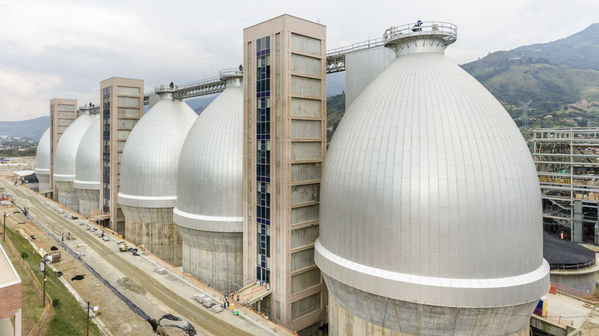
[{"x": 169, "y": 298}]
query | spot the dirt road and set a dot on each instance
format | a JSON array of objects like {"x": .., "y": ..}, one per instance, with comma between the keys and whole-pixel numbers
[{"x": 165, "y": 297}]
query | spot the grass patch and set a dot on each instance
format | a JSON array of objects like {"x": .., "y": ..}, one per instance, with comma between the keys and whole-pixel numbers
[
  {"x": 31, "y": 304},
  {"x": 68, "y": 317}
]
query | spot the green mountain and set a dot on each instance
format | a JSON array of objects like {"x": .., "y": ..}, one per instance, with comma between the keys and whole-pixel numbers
[
  {"x": 553, "y": 84},
  {"x": 30, "y": 129},
  {"x": 335, "y": 111}
]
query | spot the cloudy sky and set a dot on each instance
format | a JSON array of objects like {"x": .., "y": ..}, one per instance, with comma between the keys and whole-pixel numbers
[{"x": 51, "y": 48}]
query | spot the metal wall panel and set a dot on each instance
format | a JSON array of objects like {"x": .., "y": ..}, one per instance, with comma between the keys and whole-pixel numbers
[
  {"x": 362, "y": 67},
  {"x": 305, "y": 65},
  {"x": 305, "y": 193},
  {"x": 305, "y": 44},
  {"x": 305, "y": 280},
  {"x": 305, "y": 107},
  {"x": 150, "y": 157},
  {"x": 66, "y": 150},
  {"x": 305, "y": 171},
  {"x": 302, "y": 86},
  {"x": 87, "y": 162},
  {"x": 305, "y": 151},
  {"x": 429, "y": 191},
  {"x": 304, "y": 214},
  {"x": 302, "y": 259},
  {"x": 304, "y": 306},
  {"x": 304, "y": 236},
  {"x": 305, "y": 129}
]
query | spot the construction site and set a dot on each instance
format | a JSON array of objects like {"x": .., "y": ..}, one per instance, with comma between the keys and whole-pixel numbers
[{"x": 567, "y": 161}]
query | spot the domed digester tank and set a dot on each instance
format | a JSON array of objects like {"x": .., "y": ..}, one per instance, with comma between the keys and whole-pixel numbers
[
  {"x": 209, "y": 191},
  {"x": 42, "y": 162},
  {"x": 431, "y": 219},
  {"x": 148, "y": 177},
  {"x": 87, "y": 169},
  {"x": 64, "y": 160}
]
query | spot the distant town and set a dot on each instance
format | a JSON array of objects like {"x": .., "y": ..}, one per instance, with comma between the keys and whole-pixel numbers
[{"x": 16, "y": 146}]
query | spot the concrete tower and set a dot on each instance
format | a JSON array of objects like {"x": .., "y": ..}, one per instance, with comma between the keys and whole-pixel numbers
[
  {"x": 425, "y": 230},
  {"x": 148, "y": 190},
  {"x": 66, "y": 153},
  {"x": 87, "y": 169},
  {"x": 284, "y": 147},
  {"x": 42, "y": 162},
  {"x": 121, "y": 106},
  {"x": 63, "y": 113},
  {"x": 209, "y": 211}
]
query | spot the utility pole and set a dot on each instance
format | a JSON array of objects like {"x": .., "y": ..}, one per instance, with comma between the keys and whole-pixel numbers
[
  {"x": 44, "y": 293},
  {"x": 4, "y": 234},
  {"x": 87, "y": 325}
]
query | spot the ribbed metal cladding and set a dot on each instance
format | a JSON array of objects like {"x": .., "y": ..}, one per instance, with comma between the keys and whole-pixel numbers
[
  {"x": 151, "y": 155},
  {"x": 42, "y": 155},
  {"x": 429, "y": 193},
  {"x": 87, "y": 162},
  {"x": 66, "y": 150},
  {"x": 210, "y": 169}
]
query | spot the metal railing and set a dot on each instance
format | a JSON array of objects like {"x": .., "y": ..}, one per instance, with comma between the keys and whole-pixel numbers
[
  {"x": 230, "y": 73},
  {"x": 372, "y": 43},
  {"x": 335, "y": 57},
  {"x": 447, "y": 31}
]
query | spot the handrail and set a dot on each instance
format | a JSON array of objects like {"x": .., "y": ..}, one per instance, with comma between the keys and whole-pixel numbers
[
  {"x": 447, "y": 30},
  {"x": 229, "y": 73},
  {"x": 372, "y": 43}
]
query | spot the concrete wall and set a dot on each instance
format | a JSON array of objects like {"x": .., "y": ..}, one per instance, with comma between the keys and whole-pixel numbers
[
  {"x": 43, "y": 183},
  {"x": 88, "y": 200},
  {"x": 584, "y": 281},
  {"x": 215, "y": 258},
  {"x": 362, "y": 67},
  {"x": 355, "y": 312},
  {"x": 154, "y": 229},
  {"x": 67, "y": 195}
]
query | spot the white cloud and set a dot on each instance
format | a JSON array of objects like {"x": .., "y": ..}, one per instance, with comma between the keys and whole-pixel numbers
[
  {"x": 84, "y": 41},
  {"x": 19, "y": 93}
]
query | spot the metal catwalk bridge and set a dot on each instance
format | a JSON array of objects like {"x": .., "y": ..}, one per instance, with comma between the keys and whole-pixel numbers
[{"x": 335, "y": 59}]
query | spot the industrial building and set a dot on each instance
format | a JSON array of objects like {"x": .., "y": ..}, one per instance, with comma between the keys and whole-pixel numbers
[
  {"x": 285, "y": 142},
  {"x": 567, "y": 163},
  {"x": 422, "y": 242},
  {"x": 63, "y": 113},
  {"x": 65, "y": 158},
  {"x": 87, "y": 170},
  {"x": 209, "y": 211},
  {"x": 148, "y": 176},
  {"x": 42, "y": 163},
  {"x": 411, "y": 231},
  {"x": 121, "y": 106}
]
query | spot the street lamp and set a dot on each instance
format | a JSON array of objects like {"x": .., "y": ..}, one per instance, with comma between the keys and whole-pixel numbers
[{"x": 5, "y": 215}]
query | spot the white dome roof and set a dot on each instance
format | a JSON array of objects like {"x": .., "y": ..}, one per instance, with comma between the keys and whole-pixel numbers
[
  {"x": 42, "y": 154},
  {"x": 429, "y": 192},
  {"x": 151, "y": 155},
  {"x": 87, "y": 162},
  {"x": 210, "y": 177},
  {"x": 66, "y": 150}
]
